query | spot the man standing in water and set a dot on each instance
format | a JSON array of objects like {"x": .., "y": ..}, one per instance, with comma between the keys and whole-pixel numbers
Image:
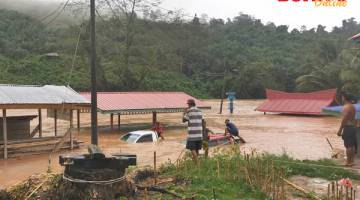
[
  {"x": 348, "y": 129},
  {"x": 193, "y": 116}
]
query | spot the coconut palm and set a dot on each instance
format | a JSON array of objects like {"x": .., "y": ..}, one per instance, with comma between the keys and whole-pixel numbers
[
  {"x": 343, "y": 74},
  {"x": 320, "y": 78}
]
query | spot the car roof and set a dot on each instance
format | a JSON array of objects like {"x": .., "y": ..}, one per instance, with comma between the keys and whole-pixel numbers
[{"x": 142, "y": 132}]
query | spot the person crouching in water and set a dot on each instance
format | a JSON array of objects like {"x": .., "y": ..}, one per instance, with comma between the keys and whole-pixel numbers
[
  {"x": 206, "y": 138},
  {"x": 159, "y": 129},
  {"x": 348, "y": 129},
  {"x": 233, "y": 131},
  {"x": 193, "y": 116}
]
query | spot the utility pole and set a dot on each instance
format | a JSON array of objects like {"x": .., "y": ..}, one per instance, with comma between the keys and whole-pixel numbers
[
  {"x": 223, "y": 90},
  {"x": 94, "y": 136}
]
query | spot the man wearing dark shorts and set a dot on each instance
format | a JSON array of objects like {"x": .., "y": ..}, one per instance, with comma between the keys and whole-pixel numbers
[
  {"x": 193, "y": 116},
  {"x": 348, "y": 129},
  {"x": 233, "y": 131}
]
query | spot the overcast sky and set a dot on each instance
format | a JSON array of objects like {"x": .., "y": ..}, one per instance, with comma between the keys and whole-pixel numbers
[
  {"x": 290, "y": 13},
  {"x": 281, "y": 13}
]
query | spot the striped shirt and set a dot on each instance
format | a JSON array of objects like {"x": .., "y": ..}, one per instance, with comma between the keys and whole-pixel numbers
[{"x": 194, "y": 119}]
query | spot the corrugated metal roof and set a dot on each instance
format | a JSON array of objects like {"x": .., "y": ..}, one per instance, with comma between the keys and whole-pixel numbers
[
  {"x": 48, "y": 94},
  {"x": 355, "y": 37},
  {"x": 297, "y": 103},
  {"x": 131, "y": 102}
]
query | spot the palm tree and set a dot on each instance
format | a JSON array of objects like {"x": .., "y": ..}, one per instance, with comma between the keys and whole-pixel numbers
[
  {"x": 343, "y": 74},
  {"x": 319, "y": 79}
]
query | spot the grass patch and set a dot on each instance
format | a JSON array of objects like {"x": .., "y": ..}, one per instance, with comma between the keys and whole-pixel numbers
[
  {"x": 205, "y": 181},
  {"x": 223, "y": 173},
  {"x": 326, "y": 169}
]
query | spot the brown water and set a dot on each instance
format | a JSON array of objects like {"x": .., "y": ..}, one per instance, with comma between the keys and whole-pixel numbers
[{"x": 298, "y": 136}]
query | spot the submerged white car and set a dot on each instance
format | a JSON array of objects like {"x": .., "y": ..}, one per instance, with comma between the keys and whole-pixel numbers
[{"x": 140, "y": 136}]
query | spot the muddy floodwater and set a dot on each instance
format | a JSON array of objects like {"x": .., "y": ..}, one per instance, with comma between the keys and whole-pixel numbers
[{"x": 299, "y": 136}]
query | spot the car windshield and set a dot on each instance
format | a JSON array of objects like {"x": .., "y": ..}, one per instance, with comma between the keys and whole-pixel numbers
[{"x": 130, "y": 137}]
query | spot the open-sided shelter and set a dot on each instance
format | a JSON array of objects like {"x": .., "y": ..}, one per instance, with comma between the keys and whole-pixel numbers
[
  {"x": 56, "y": 98},
  {"x": 297, "y": 103},
  {"x": 130, "y": 103}
]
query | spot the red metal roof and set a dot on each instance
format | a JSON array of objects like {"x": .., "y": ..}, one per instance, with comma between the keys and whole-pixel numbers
[
  {"x": 355, "y": 37},
  {"x": 130, "y": 102},
  {"x": 297, "y": 103}
]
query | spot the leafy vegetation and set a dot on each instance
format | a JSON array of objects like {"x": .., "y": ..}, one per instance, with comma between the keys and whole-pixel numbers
[
  {"x": 326, "y": 169},
  {"x": 205, "y": 183},
  {"x": 167, "y": 53},
  {"x": 224, "y": 172}
]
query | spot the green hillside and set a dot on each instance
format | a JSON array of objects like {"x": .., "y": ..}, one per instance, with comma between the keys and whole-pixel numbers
[{"x": 155, "y": 54}]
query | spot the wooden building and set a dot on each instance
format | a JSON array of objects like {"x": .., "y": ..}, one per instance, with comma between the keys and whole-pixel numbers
[
  {"x": 15, "y": 130},
  {"x": 18, "y": 126}
]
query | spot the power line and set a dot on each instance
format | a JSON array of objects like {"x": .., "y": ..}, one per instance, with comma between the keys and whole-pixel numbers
[
  {"x": 59, "y": 13},
  {"x": 53, "y": 12},
  {"x": 74, "y": 56}
]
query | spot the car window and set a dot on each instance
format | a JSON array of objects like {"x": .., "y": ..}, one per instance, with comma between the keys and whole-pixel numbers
[
  {"x": 146, "y": 138},
  {"x": 131, "y": 138},
  {"x": 125, "y": 137}
]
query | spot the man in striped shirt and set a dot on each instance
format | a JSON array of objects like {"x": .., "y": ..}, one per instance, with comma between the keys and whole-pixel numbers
[{"x": 193, "y": 116}]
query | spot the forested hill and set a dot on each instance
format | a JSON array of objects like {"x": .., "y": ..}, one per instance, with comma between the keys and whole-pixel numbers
[{"x": 153, "y": 54}]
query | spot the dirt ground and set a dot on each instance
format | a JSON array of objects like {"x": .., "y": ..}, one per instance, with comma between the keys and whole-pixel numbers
[{"x": 299, "y": 136}]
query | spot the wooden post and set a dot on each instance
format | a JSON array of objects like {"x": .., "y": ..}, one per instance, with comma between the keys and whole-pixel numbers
[
  {"x": 5, "y": 134},
  {"x": 112, "y": 121},
  {"x": 146, "y": 194},
  {"x": 78, "y": 119},
  {"x": 40, "y": 123},
  {"x": 154, "y": 118},
  {"x": 71, "y": 127},
  {"x": 354, "y": 194},
  {"x": 223, "y": 90},
  {"x": 155, "y": 174},
  {"x": 55, "y": 121},
  {"x": 119, "y": 121}
]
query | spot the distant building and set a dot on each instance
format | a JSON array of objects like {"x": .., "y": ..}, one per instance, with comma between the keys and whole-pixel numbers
[
  {"x": 297, "y": 103},
  {"x": 51, "y": 55}
]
